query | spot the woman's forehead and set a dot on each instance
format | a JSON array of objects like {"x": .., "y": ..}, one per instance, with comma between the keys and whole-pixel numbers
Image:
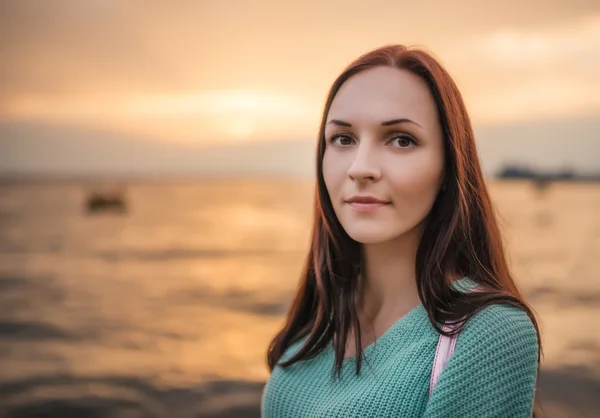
[{"x": 383, "y": 93}]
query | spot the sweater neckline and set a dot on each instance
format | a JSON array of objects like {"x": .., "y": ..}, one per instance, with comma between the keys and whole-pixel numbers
[
  {"x": 386, "y": 334},
  {"x": 463, "y": 282}
]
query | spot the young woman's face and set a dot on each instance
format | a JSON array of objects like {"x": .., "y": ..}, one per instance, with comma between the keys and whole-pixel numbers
[{"x": 383, "y": 140}]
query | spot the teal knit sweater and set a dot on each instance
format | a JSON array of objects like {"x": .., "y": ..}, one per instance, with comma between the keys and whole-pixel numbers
[{"x": 492, "y": 373}]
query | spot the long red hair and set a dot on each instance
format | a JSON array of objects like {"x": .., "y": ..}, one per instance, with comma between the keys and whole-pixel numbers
[{"x": 461, "y": 237}]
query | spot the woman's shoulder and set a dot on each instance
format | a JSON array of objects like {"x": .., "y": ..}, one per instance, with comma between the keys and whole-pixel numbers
[
  {"x": 497, "y": 321},
  {"x": 493, "y": 369},
  {"x": 292, "y": 349},
  {"x": 500, "y": 327},
  {"x": 499, "y": 316}
]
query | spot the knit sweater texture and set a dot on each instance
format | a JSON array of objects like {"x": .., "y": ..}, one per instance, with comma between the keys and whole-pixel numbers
[{"x": 492, "y": 373}]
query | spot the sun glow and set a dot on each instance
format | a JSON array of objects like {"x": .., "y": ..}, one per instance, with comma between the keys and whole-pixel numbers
[{"x": 191, "y": 117}]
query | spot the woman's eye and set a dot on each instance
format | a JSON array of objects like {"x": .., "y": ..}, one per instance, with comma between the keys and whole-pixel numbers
[
  {"x": 341, "y": 140},
  {"x": 403, "y": 141}
]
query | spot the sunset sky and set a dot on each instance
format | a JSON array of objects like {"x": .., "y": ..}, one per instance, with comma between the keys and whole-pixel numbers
[{"x": 218, "y": 79}]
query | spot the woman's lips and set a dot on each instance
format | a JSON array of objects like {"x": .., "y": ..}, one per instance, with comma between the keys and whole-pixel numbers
[{"x": 367, "y": 207}]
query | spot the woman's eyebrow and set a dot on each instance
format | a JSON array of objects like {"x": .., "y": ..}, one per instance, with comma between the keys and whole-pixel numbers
[{"x": 385, "y": 123}]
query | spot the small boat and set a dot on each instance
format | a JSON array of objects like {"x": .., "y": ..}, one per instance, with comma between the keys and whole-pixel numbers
[{"x": 106, "y": 202}]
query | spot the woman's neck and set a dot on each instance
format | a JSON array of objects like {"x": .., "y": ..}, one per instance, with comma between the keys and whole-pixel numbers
[{"x": 387, "y": 285}]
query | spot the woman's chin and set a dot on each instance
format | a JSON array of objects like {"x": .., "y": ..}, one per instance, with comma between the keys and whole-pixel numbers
[{"x": 370, "y": 237}]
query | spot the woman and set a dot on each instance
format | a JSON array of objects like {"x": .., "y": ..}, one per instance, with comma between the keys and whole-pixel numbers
[{"x": 403, "y": 229}]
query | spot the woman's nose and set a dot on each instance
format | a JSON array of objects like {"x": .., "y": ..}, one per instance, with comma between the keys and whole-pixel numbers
[{"x": 365, "y": 165}]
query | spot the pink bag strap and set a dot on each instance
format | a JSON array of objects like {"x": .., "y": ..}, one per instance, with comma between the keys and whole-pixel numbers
[{"x": 445, "y": 348}]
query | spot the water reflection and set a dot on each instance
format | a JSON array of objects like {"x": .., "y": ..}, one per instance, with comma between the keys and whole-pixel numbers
[{"x": 167, "y": 311}]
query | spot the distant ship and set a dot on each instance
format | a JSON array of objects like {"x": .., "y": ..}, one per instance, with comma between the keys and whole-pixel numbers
[
  {"x": 106, "y": 201},
  {"x": 515, "y": 172}
]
